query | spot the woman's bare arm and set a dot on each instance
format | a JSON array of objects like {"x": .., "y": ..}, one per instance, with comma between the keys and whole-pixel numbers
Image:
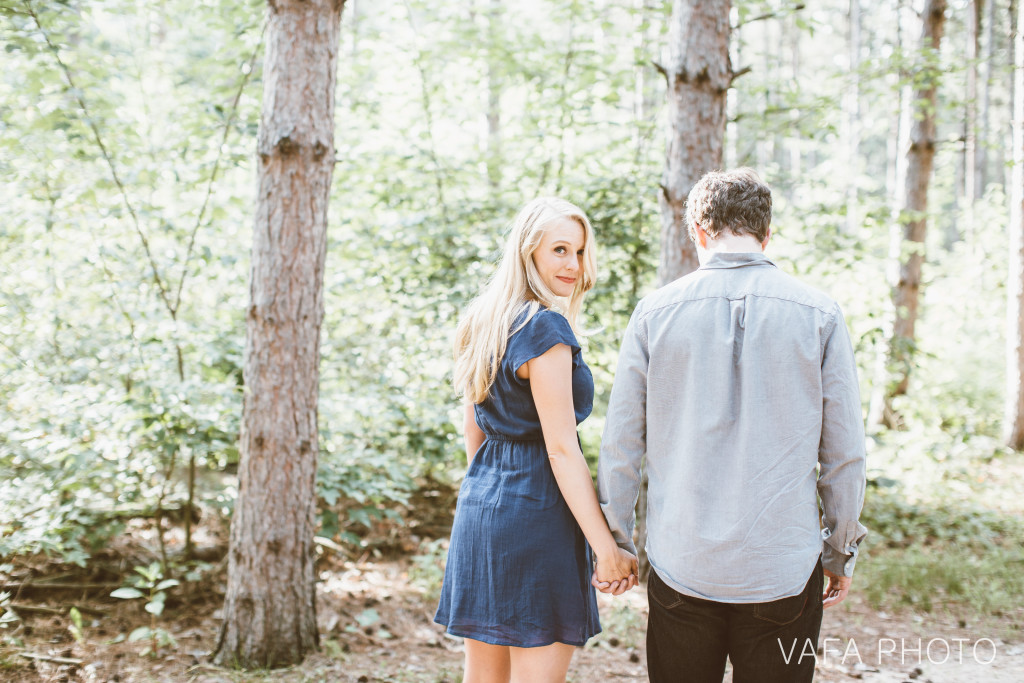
[
  {"x": 550, "y": 378},
  {"x": 471, "y": 432}
]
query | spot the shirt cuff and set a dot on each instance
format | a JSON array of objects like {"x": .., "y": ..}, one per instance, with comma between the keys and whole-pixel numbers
[{"x": 835, "y": 561}]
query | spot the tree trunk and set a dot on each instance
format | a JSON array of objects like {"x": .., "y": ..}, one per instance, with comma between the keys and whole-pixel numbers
[
  {"x": 1013, "y": 424},
  {"x": 270, "y": 606},
  {"x": 699, "y": 74},
  {"x": 984, "y": 108},
  {"x": 495, "y": 85},
  {"x": 971, "y": 114},
  {"x": 851, "y": 119},
  {"x": 910, "y": 224}
]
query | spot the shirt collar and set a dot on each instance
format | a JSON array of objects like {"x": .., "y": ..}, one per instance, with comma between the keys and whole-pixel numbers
[{"x": 736, "y": 259}]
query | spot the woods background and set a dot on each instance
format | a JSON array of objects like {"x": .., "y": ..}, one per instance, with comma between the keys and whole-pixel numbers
[{"x": 127, "y": 140}]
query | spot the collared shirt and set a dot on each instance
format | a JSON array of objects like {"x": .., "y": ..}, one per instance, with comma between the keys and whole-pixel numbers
[{"x": 738, "y": 384}]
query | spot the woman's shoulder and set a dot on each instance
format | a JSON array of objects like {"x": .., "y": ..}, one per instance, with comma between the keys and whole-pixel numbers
[
  {"x": 544, "y": 329},
  {"x": 542, "y": 320}
]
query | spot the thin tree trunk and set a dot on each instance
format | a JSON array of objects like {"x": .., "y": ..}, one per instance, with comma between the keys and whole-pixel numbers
[
  {"x": 1013, "y": 424},
  {"x": 851, "y": 106},
  {"x": 699, "y": 73},
  {"x": 971, "y": 114},
  {"x": 984, "y": 110},
  {"x": 495, "y": 84},
  {"x": 270, "y": 606},
  {"x": 894, "y": 164},
  {"x": 910, "y": 224}
]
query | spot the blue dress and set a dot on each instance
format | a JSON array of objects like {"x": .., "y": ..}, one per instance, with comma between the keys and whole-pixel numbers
[{"x": 519, "y": 567}]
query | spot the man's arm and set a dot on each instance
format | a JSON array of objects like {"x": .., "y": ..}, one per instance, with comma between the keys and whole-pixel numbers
[
  {"x": 624, "y": 443},
  {"x": 842, "y": 479}
]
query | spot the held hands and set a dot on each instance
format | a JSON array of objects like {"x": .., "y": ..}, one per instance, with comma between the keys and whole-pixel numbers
[
  {"x": 836, "y": 590},
  {"x": 616, "y": 573}
]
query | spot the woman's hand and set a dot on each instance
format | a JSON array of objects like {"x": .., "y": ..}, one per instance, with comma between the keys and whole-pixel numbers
[{"x": 616, "y": 572}]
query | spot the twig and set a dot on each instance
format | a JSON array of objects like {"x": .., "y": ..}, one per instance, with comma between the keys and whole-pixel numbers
[
  {"x": 216, "y": 167},
  {"x": 769, "y": 15},
  {"x": 43, "y": 609},
  {"x": 30, "y": 585},
  {"x": 48, "y": 658}
]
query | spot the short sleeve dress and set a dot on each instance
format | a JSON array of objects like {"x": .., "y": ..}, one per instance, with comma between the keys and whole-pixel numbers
[{"x": 519, "y": 567}]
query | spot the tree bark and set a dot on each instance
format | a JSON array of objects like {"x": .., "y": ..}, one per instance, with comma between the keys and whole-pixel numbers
[
  {"x": 1013, "y": 423},
  {"x": 270, "y": 606},
  {"x": 910, "y": 224},
  {"x": 699, "y": 73}
]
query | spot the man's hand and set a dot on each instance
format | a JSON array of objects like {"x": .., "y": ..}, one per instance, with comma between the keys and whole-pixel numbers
[
  {"x": 615, "y": 587},
  {"x": 836, "y": 590}
]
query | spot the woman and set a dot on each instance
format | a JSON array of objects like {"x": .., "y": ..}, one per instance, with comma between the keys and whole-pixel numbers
[{"x": 517, "y": 583}]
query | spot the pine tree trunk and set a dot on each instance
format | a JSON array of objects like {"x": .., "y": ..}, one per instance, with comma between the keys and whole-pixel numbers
[
  {"x": 910, "y": 226},
  {"x": 1013, "y": 424},
  {"x": 270, "y": 606},
  {"x": 699, "y": 74}
]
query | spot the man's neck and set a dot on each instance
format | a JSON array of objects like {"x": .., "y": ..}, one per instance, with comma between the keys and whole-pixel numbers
[{"x": 728, "y": 242}]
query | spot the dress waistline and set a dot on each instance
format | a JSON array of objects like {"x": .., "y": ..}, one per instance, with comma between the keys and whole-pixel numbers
[{"x": 513, "y": 439}]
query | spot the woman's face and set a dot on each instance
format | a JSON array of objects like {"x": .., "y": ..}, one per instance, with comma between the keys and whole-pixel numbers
[{"x": 559, "y": 257}]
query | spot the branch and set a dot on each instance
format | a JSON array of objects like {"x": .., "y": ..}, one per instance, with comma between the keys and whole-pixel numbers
[
  {"x": 106, "y": 156},
  {"x": 769, "y": 15},
  {"x": 216, "y": 167},
  {"x": 57, "y": 585},
  {"x": 48, "y": 658},
  {"x": 662, "y": 70},
  {"x": 737, "y": 74},
  {"x": 43, "y": 609}
]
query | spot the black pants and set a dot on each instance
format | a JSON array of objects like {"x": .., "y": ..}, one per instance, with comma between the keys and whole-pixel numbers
[{"x": 688, "y": 639}]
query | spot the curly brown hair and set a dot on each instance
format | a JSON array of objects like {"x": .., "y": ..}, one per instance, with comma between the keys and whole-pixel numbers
[{"x": 737, "y": 201}]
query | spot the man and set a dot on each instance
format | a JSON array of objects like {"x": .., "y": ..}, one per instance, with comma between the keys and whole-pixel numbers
[{"x": 738, "y": 384}]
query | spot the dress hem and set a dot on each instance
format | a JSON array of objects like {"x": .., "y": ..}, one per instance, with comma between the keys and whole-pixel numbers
[{"x": 491, "y": 640}]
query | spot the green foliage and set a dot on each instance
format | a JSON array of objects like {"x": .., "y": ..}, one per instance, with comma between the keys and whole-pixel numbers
[
  {"x": 927, "y": 555},
  {"x": 126, "y": 138},
  {"x": 76, "y": 628},
  {"x": 427, "y": 571},
  {"x": 151, "y": 586},
  {"x": 8, "y": 616}
]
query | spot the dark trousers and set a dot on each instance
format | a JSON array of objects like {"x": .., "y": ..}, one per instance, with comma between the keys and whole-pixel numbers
[{"x": 688, "y": 639}]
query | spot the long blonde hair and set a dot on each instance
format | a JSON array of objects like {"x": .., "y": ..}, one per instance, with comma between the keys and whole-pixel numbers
[{"x": 516, "y": 286}]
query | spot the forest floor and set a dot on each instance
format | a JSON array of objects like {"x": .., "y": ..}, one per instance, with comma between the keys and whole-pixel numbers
[
  {"x": 376, "y": 625},
  {"x": 375, "y": 613}
]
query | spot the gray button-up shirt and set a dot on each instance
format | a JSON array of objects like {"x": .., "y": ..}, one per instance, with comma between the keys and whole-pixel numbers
[{"x": 738, "y": 384}]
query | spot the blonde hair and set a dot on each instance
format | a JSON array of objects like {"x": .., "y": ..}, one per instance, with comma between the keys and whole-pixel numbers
[{"x": 516, "y": 286}]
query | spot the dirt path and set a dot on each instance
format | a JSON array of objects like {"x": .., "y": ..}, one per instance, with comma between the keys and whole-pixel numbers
[{"x": 377, "y": 626}]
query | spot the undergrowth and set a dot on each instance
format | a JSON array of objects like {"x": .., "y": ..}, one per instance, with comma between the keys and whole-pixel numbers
[{"x": 926, "y": 557}]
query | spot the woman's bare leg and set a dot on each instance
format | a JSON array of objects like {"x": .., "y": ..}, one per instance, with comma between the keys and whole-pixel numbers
[
  {"x": 548, "y": 664},
  {"x": 486, "y": 663}
]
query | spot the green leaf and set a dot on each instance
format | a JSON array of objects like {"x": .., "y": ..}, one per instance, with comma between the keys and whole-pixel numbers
[
  {"x": 128, "y": 593},
  {"x": 367, "y": 617},
  {"x": 166, "y": 583},
  {"x": 140, "y": 633},
  {"x": 155, "y": 607}
]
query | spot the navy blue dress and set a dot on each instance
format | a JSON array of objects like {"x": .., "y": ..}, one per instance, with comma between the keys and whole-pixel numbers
[{"x": 519, "y": 567}]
